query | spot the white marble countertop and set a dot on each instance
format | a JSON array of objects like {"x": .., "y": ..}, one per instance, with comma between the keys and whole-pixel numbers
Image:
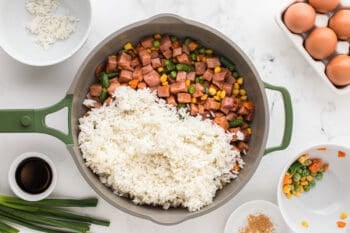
[{"x": 320, "y": 115}]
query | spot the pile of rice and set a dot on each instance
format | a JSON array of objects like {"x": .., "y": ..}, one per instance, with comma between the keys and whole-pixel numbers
[{"x": 148, "y": 151}]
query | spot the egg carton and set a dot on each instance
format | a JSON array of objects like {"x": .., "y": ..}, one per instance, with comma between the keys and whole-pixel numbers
[{"x": 343, "y": 47}]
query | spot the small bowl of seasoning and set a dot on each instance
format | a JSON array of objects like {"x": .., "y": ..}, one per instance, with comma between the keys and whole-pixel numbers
[{"x": 32, "y": 176}]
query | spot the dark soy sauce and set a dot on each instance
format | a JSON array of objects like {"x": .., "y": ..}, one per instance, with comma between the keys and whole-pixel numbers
[{"x": 34, "y": 175}]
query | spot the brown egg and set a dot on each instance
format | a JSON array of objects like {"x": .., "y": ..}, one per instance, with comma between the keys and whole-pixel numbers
[
  {"x": 324, "y": 6},
  {"x": 299, "y": 17},
  {"x": 321, "y": 42},
  {"x": 338, "y": 70},
  {"x": 340, "y": 23}
]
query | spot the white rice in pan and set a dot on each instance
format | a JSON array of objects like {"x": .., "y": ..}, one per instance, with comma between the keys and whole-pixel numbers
[{"x": 143, "y": 149}]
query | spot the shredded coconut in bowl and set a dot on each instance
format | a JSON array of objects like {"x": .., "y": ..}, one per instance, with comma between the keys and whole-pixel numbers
[{"x": 146, "y": 150}]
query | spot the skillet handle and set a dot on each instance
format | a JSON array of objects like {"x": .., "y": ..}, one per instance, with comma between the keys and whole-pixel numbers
[
  {"x": 288, "y": 114},
  {"x": 33, "y": 120}
]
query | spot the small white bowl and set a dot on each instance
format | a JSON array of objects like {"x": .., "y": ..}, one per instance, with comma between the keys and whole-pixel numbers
[
  {"x": 13, "y": 183},
  {"x": 20, "y": 44},
  {"x": 322, "y": 205}
]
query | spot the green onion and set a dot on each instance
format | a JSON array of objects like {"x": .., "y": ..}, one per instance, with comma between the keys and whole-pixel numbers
[
  {"x": 227, "y": 63},
  {"x": 112, "y": 75},
  {"x": 236, "y": 123},
  {"x": 104, "y": 80},
  {"x": 7, "y": 228}
]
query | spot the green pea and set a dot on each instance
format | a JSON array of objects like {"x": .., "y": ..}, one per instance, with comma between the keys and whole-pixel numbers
[
  {"x": 197, "y": 79},
  {"x": 156, "y": 43},
  {"x": 193, "y": 57},
  {"x": 319, "y": 176},
  {"x": 173, "y": 74},
  {"x": 296, "y": 187},
  {"x": 173, "y": 38},
  {"x": 296, "y": 177},
  {"x": 202, "y": 50},
  {"x": 313, "y": 174},
  {"x": 307, "y": 188},
  {"x": 187, "y": 41},
  {"x": 312, "y": 184},
  {"x": 191, "y": 89},
  {"x": 235, "y": 74},
  {"x": 300, "y": 171},
  {"x": 306, "y": 172}
]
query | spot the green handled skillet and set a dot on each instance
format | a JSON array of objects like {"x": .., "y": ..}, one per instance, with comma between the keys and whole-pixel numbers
[{"x": 34, "y": 120}]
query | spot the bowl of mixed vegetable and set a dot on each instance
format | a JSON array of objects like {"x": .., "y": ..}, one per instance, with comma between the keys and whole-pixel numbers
[{"x": 313, "y": 190}]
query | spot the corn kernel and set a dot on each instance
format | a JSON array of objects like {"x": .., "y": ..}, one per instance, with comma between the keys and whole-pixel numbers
[
  {"x": 304, "y": 224},
  {"x": 216, "y": 98},
  {"x": 236, "y": 86},
  {"x": 128, "y": 46},
  {"x": 289, "y": 195},
  {"x": 242, "y": 92},
  {"x": 303, "y": 183},
  {"x": 160, "y": 69},
  {"x": 235, "y": 92},
  {"x": 301, "y": 189},
  {"x": 209, "y": 51},
  {"x": 157, "y": 36},
  {"x": 249, "y": 130},
  {"x": 343, "y": 215},
  {"x": 188, "y": 82},
  {"x": 149, "y": 50},
  {"x": 163, "y": 78},
  {"x": 204, "y": 97},
  {"x": 217, "y": 69},
  {"x": 286, "y": 188},
  {"x": 244, "y": 97},
  {"x": 204, "y": 59},
  {"x": 240, "y": 80},
  {"x": 194, "y": 100},
  {"x": 302, "y": 159},
  {"x": 212, "y": 91},
  {"x": 165, "y": 83},
  {"x": 298, "y": 193},
  {"x": 309, "y": 178},
  {"x": 222, "y": 94}
]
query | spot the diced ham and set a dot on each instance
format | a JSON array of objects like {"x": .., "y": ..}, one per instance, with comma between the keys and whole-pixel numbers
[
  {"x": 147, "y": 69},
  {"x": 154, "y": 54},
  {"x": 181, "y": 76},
  {"x": 184, "y": 59},
  {"x": 163, "y": 91},
  {"x": 147, "y": 42},
  {"x": 135, "y": 62},
  {"x": 167, "y": 54},
  {"x": 193, "y": 109},
  {"x": 112, "y": 87},
  {"x": 184, "y": 98},
  {"x": 171, "y": 100},
  {"x": 198, "y": 90},
  {"x": 231, "y": 116},
  {"x": 124, "y": 61},
  {"x": 141, "y": 85},
  {"x": 208, "y": 75},
  {"x": 111, "y": 64},
  {"x": 191, "y": 76},
  {"x": 199, "y": 67},
  {"x": 227, "y": 104},
  {"x": 213, "y": 62},
  {"x": 178, "y": 87},
  {"x": 228, "y": 89},
  {"x": 145, "y": 57},
  {"x": 125, "y": 76},
  {"x": 108, "y": 101},
  {"x": 243, "y": 111},
  {"x": 177, "y": 51},
  {"x": 220, "y": 76},
  {"x": 185, "y": 49},
  {"x": 137, "y": 74},
  {"x": 99, "y": 69},
  {"x": 165, "y": 43},
  {"x": 152, "y": 78},
  {"x": 249, "y": 117},
  {"x": 156, "y": 62},
  {"x": 114, "y": 80},
  {"x": 212, "y": 104},
  {"x": 95, "y": 89},
  {"x": 242, "y": 146},
  {"x": 229, "y": 78},
  {"x": 222, "y": 122},
  {"x": 219, "y": 84},
  {"x": 200, "y": 108}
]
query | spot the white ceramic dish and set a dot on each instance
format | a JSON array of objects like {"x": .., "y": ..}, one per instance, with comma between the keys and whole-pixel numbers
[
  {"x": 321, "y": 206},
  {"x": 297, "y": 41},
  {"x": 13, "y": 183},
  {"x": 238, "y": 219},
  {"x": 20, "y": 44}
]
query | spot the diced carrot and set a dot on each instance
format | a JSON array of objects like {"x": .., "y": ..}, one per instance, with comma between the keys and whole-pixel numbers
[
  {"x": 341, "y": 224},
  {"x": 325, "y": 167},
  {"x": 341, "y": 154},
  {"x": 322, "y": 148},
  {"x": 315, "y": 165},
  {"x": 248, "y": 105},
  {"x": 176, "y": 44},
  {"x": 287, "y": 179},
  {"x": 133, "y": 83},
  {"x": 192, "y": 45}
]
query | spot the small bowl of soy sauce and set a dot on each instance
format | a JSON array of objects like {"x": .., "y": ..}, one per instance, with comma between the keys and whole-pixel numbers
[{"x": 32, "y": 176}]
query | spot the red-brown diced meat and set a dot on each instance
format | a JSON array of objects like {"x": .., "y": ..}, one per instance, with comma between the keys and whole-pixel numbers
[
  {"x": 243, "y": 111},
  {"x": 231, "y": 116},
  {"x": 163, "y": 91},
  {"x": 167, "y": 54},
  {"x": 147, "y": 69},
  {"x": 242, "y": 146},
  {"x": 141, "y": 85},
  {"x": 135, "y": 62},
  {"x": 228, "y": 89},
  {"x": 111, "y": 64},
  {"x": 99, "y": 69},
  {"x": 213, "y": 62},
  {"x": 147, "y": 42},
  {"x": 137, "y": 74},
  {"x": 125, "y": 76},
  {"x": 185, "y": 49},
  {"x": 208, "y": 75},
  {"x": 193, "y": 109},
  {"x": 220, "y": 76},
  {"x": 124, "y": 61},
  {"x": 178, "y": 87},
  {"x": 152, "y": 78},
  {"x": 112, "y": 87},
  {"x": 198, "y": 90},
  {"x": 222, "y": 122},
  {"x": 227, "y": 104},
  {"x": 181, "y": 76},
  {"x": 191, "y": 76},
  {"x": 199, "y": 67},
  {"x": 184, "y": 59},
  {"x": 95, "y": 89},
  {"x": 171, "y": 100},
  {"x": 184, "y": 98},
  {"x": 154, "y": 54},
  {"x": 108, "y": 101},
  {"x": 200, "y": 108},
  {"x": 165, "y": 43},
  {"x": 229, "y": 78},
  {"x": 219, "y": 84},
  {"x": 156, "y": 62},
  {"x": 114, "y": 80},
  {"x": 145, "y": 57},
  {"x": 212, "y": 104},
  {"x": 177, "y": 51},
  {"x": 249, "y": 117}
]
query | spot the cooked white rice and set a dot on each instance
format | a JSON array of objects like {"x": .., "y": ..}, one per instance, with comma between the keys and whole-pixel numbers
[{"x": 143, "y": 149}]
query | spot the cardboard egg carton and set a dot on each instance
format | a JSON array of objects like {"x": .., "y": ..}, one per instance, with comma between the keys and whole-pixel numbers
[{"x": 343, "y": 47}]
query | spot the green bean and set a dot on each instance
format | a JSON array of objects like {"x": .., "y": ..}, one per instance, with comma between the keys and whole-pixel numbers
[
  {"x": 104, "y": 80},
  {"x": 191, "y": 89},
  {"x": 184, "y": 67},
  {"x": 236, "y": 123},
  {"x": 156, "y": 44},
  {"x": 104, "y": 94},
  {"x": 112, "y": 75},
  {"x": 225, "y": 62},
  {"x": 170, "y": 66},
  {"x": 294, "y": 167}
]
